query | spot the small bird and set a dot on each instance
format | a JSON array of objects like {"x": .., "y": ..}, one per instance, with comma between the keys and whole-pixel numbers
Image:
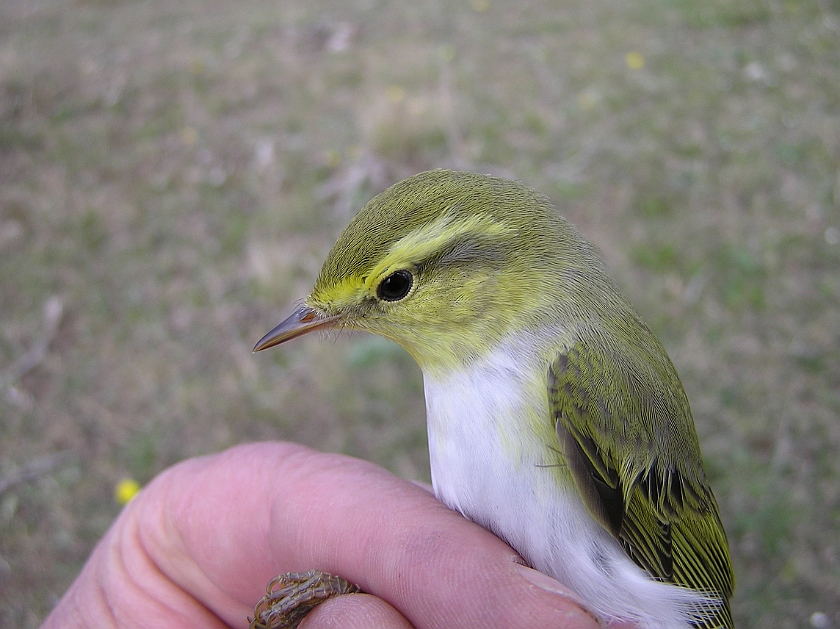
[{"x": 555, "y": 418}]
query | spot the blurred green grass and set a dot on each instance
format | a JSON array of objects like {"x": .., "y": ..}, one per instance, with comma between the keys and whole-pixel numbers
[{"x": 174, "y": 174}]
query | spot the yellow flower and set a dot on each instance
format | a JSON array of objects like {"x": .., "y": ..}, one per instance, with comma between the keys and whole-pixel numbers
[
  {"x": 125, "y": 490},
  {"x": 395, "y": 93},
  {"x": 188, "y": 136},
  {"x": 332, "y": 158},
  {"x": 635, "y": 60}
]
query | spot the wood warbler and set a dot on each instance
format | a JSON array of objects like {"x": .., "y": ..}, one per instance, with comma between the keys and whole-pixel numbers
[{"x": 556, "y": 419}]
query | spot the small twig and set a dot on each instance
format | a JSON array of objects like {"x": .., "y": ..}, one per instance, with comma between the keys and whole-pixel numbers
[
  {"x": 33, "y": 470},
  {"x": 53, "y": 309}
]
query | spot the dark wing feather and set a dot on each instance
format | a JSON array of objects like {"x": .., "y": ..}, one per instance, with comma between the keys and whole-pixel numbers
[{"x": 626, "y": 432}]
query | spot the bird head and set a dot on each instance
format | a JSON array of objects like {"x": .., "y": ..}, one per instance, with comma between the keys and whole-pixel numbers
[{"x": 447, "y": 264}]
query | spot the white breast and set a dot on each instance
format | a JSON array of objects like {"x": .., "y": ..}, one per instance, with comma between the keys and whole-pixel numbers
[{"x": 489, "y": 462}]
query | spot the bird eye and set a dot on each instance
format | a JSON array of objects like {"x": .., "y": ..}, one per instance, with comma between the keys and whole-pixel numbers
[{"x": 395, "y": 286}]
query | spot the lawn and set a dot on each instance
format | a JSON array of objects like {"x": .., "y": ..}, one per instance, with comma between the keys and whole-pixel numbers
[{"x": 172, "y": 175}]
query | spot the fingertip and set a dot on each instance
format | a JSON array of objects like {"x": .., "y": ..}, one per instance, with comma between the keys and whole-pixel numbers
[
  {"x": 355, "y": 611},
  {"x": 570, "y": 603}
]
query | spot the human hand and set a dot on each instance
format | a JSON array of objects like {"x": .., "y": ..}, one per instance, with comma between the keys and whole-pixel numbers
[{"x": 198, "y": 545}]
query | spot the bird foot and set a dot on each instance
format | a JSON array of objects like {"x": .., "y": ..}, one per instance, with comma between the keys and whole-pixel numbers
[{"x": 291, "y": 596}]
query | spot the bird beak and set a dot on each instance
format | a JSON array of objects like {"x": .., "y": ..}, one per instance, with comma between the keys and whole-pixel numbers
[{"x": 301, "y": 321}]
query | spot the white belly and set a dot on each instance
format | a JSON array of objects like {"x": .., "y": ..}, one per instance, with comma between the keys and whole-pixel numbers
[{"x": 491, "y": 461}]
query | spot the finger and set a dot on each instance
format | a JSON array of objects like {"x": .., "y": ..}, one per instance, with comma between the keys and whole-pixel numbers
[
  {"x": 121, "y": 587},
  {"x": 355, "y": 611},
  {"x": 271, "y": 508}
]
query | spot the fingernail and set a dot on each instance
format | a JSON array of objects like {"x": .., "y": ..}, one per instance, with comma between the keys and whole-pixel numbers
[{"x": 545, "y": 582}]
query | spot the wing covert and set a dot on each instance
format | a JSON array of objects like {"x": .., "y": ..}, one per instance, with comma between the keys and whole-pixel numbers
[{"x": 628, "y": 439}]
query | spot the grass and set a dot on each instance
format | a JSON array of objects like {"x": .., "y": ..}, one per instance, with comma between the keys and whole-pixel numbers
[{"x": 174, "y": 174}]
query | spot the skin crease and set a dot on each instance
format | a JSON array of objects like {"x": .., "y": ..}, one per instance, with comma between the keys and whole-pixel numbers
[{"x": 197, "y": 546}]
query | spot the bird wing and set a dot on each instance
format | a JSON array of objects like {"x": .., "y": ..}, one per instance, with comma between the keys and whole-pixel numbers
[{"x": 626, "y": 433}]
